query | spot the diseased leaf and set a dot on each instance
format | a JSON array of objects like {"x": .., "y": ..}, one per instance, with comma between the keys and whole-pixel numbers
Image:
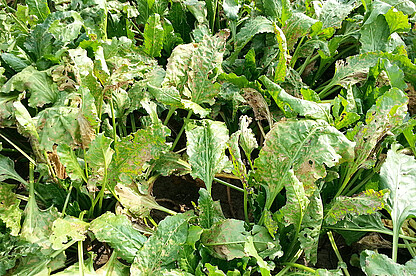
[
  {"x": 251, "y": 251},
  {"x": 332, "y": 12},
  {"x": 153, "y": 36},
  {"x": 225, "y": 239},
  {"x": 209, "y": 210},
  {"x": 297, "y": 25},
  {"x": 10, "y": 212},
  {"x": 247, "y": 139},
  {"x": 137, "y": 203},
  {"x": 118, "y": 232},
  {"x": 58, "y": 125},
  {"x": 299, "y": 150},
  {"x": 206, "y": 144},
  {"x": 375, "y": 36},
  {"x": 231, "y": 8},
  {"x": 365, "y": 203},
  {"x": 311, "y": 227},
  {"x": 67, "y": 229},
  {"x": 163, "y": 247},
  {"x": 37, "y": 226}
]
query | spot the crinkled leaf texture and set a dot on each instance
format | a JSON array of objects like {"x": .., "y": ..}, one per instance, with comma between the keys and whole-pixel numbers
[
  {"x": 118, "y": 232},
  {"x": 153, "y": 36},
  {"x": 206, "y": 144},
  {"x": 209, "y": 210},
  {"x": 374, "y": 264},
  {"x": 162, "y": 249},
  {"x": 99, "y": 156}
]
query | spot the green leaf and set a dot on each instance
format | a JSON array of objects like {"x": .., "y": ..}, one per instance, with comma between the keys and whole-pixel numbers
[
  {"x": 397, "y": 21},
  {"x": 398, "y": 174},
  {"x": 373, "y": 264},
  {"x": 225, "y": 239},
  {"x": 70, "y": 161},
  {"x": 375, "y": 36},
  {"x": 10, "y": 212},
  {"x": 7, "y": 170},
  {"x": 280, "y": 70},
  {"x": 99, "y": 157},
  {"x": 209, "y": 210},
  {"x": 299, "y": 150},
  {"x": 289, "y": 104},
  {"x": 40, "y": 85},
  {"x": 65, "y": 26},
  {"x": 251, "y": 251},
  {"x": 39, "y": 8},
  {"x": 365, "y": 203},
  {"x": 253, "y": 26},
  {"x": 348, "y": 115},
  {"x": 153, "y": 36},
  {"x": 67, "y": 229},
  {"x": 118, "y": 232},
  {"x": 206, "y": 144},
  {"x": 163, "y": 247}
]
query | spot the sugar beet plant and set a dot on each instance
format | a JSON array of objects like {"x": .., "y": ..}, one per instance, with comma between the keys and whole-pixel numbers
[{"x": 304, "y": 107}]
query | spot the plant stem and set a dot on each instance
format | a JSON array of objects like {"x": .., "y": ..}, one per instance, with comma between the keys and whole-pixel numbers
[
  {"x": 19, "y": 149},
  {"x": 181, "y": 131},
  {"x": 293, "y": 260},
  {"x": 362, "y": 183},
  {"x": 295, "y": 54},
  {"x": 396, "y": 229},
  {"x": 172, "y": 110},
  {"x": 113, "y": 118},
  {"x": 328, "y": 91},
  {"x": 67, "y": 200},
  {"x": 228, "y": 185},
  {"x": 301, "y": 267},
  {"x": 81, "y": 258},
  {"x": 133, "y": 122},
  {"x": 334, "y": 246}
]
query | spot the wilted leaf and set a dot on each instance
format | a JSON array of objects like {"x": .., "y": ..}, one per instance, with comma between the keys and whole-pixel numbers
[
  {"x": 118, "y": 232},
  {"x": 206, "y": 144},
  {"x": 7, "y": 170}
]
